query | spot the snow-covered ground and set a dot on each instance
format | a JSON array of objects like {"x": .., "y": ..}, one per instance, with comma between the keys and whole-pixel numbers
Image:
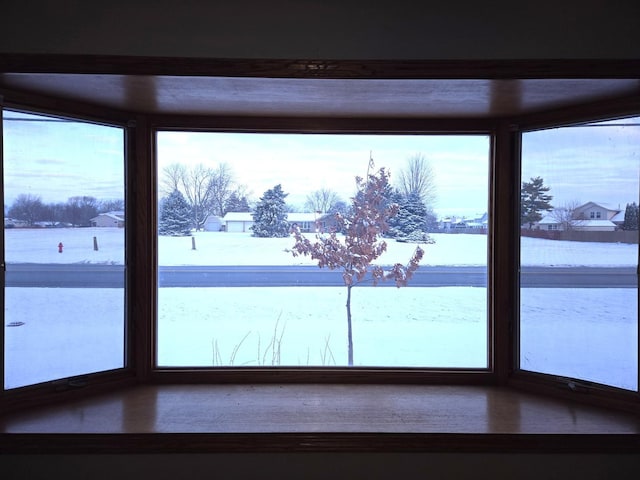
[
  {"x": 433, "y": 327},
  {"x": 222, "y": 248}
]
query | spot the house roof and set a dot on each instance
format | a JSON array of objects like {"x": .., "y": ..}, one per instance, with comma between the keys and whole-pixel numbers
[
  {"x": 304, "y": 217},
  {"x": 119, "y": 216},
  {"x": 238, "y": 217},
  {"x": 548, "y": 220},
  {"x": 606, "y": 206},
  {"x": 618, "y": 217},
  {"x": 291, "y": 217}
]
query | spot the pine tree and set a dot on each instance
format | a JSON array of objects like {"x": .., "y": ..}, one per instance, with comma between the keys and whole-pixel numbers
[
  {"x": 631, "y": 217},
  {"x": 235, "y": 203},
  {"x": 270, "y": 214},
  {"x": 175, "y": 215},
  {"x": 411, "y": 217},
  {"x": 534, "y": 200}
]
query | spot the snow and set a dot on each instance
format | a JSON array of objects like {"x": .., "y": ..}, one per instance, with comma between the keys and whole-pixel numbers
[
  {"x": 593, "y": 336},
  {"x": 313, "y": 327},
  {"x": 228, "y": 248},
  {"x": 74, "y": 331},
  {"x": 41, "y": 245},
  {"x": 67, "y": 332}
]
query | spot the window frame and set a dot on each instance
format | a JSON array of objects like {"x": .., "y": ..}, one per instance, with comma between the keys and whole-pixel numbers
[
  {"x": 317, "y": 374},
  {"x": 503, "y": 244},
  {"x": 550, "y": 384}
]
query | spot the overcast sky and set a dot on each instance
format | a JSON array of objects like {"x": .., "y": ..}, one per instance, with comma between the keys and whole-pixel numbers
[
  {"x": 57, "y": 160},
  {"x": 303, "y": 163},
  {"x": 599, "y": 163}
]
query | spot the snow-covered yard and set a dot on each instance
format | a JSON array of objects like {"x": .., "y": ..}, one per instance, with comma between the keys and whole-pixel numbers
[
  {"x": 74, "y": 331},
  {"x": 226, "y": 248}
]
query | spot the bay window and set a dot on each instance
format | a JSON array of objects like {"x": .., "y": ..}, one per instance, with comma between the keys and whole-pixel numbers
[{"x": 131, "y": 252}]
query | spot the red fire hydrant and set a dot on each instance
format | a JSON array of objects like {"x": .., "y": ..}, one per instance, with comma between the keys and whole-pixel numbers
[{"x": 60, "y": 247}]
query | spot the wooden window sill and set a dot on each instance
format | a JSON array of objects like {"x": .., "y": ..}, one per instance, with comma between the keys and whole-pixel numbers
[{"x": 318, "y": 418}]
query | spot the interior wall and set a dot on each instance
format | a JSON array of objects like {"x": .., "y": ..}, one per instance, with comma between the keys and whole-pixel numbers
[{"x": 325, "y": 29}]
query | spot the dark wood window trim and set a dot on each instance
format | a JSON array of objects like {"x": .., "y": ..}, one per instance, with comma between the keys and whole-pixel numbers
[
  {"x": 554, "y": 385},
  {"x": 141, "y": 241},
  {"x": 96, "y": 383},
  {"x": 321, "y": 68}
]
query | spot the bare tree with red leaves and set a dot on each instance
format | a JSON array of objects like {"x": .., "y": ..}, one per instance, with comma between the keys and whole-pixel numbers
[{"x": 362, "y": 242}]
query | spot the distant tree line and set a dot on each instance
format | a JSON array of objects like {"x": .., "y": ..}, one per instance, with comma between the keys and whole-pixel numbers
[
  {"x": 192, "y": 194},
  {"x": 76, "y": 211},
  {"x": 412, "y": 198}
]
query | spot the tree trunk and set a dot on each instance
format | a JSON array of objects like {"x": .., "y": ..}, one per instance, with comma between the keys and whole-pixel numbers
[{"x": 349, "y": 332}]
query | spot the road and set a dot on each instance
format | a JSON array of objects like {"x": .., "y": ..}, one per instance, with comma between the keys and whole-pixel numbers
[{"x": 112, "y": 276}]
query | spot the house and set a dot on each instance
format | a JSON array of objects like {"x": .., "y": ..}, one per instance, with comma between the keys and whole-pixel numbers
[
  {"x": 589, "y": 217},
  {"x": 237, "y": 222},
  {"x": 456, "y": 224},
  {"x": 307, "y": 222},
  {"x": 109, "y": 219},
  {"x": 548, "y": 222},
  {"x": 312, "y": 222},
  {"x": 14, "y": 223},
  {"x": 213, "y": 223},
  {"x": 598, "y": 217}
]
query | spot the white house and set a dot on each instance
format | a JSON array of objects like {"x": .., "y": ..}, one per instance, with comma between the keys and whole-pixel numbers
[
  {"x": 237, "y": 221},
  {"x": 548, "y": 223},
  {"x": 455, "y": 223},
  {"x": 213, "y": 223},
  {"x": 109, "y": 219},
  {"x": 307, "y": 222}
]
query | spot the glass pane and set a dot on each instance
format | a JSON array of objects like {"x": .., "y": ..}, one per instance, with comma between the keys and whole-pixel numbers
[
  {"x": 63, "y": 248},
  {"x": 579, "y": 252},
  {"x": 231, "y": 292}
]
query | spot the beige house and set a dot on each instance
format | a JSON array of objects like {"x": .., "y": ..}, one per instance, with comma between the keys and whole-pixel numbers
[
  {"x": 590, "y": 217},
  {"x": 109, "y": 219},
  {"x": 591, "y": 212}
]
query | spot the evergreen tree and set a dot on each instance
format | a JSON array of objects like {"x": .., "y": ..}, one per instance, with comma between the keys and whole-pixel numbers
[
  {"x": 235, "y": 203},
  {"x": 412, "y": 216},
  {"x": 270, "y": 214},
  {"x": 534, "y": 199},
  {"x": 175, "y": 215},
  {"x": 631, "y": 217}
]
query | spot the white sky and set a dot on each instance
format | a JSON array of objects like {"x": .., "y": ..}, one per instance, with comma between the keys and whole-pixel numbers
[
  {"x": 303, "y": 163},
  {"x": 57, "y": 160}
]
